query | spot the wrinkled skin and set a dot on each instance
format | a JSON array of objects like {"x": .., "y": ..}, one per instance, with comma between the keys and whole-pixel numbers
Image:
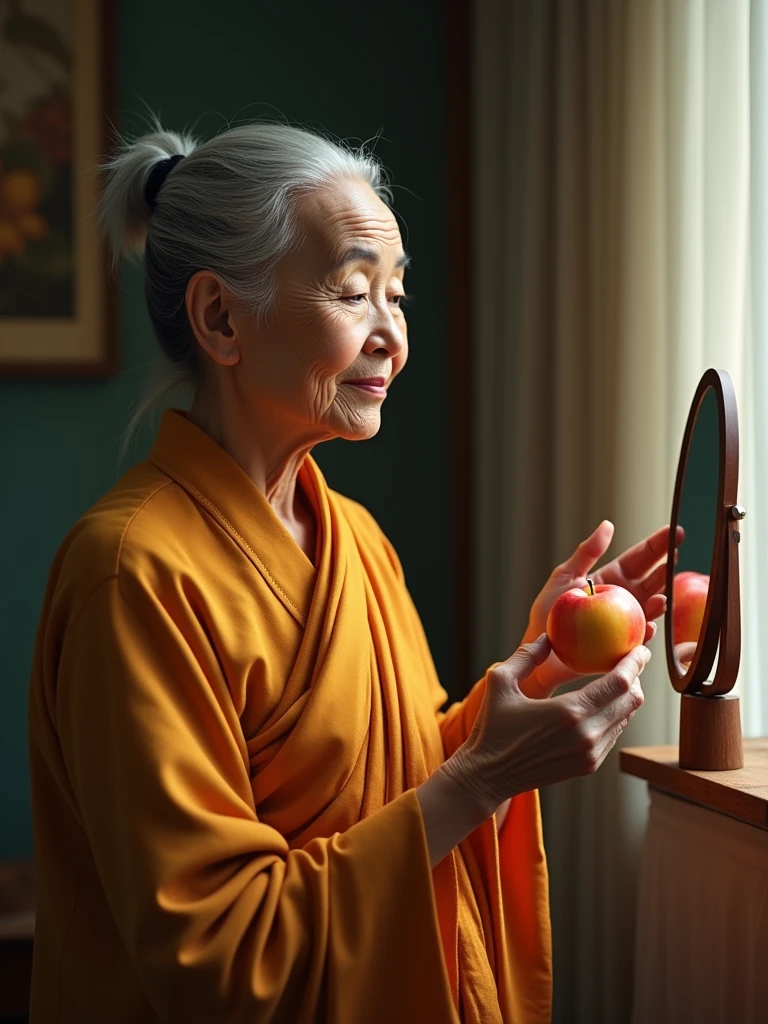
[{"x": 273, "y": 390}]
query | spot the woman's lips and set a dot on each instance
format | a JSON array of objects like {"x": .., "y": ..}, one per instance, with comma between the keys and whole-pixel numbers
[{"x": 373, "y": 388}]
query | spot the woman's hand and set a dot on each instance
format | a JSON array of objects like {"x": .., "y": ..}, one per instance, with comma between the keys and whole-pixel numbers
[
  {"x": 685, "y": 652},
  {"x": 637, "y": 570},
  {"x": 518, "y": 744}
]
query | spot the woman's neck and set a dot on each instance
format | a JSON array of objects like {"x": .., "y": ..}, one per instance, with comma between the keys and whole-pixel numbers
[{"x": 263, "y": 453}]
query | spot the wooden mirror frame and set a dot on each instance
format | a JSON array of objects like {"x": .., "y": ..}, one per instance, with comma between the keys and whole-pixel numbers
[
  {"x": 710, "y": 723},
  {"x": 722, "y": 614}
]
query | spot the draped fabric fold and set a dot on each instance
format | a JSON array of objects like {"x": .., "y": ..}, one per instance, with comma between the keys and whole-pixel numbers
[{"x": 225, "y": 742}]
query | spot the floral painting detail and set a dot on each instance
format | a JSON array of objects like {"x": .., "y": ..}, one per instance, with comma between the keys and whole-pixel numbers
[{"x": 36, "y": 154}]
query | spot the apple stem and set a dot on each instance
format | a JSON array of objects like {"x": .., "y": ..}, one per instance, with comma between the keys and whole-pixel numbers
[{"x": 591, "y": 585}]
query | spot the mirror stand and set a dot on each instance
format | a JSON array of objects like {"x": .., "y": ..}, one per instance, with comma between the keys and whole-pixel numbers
[
  {"x": 710, "y": 733},
  {"x": 710, "y": 725}
]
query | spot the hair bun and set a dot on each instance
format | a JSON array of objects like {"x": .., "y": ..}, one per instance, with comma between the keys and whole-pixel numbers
[
  {"x": 132, "y": 178},
  {"x": 157, "y": 177}
]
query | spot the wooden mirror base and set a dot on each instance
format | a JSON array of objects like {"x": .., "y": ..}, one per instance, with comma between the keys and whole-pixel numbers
[{"x": 710, "y": 733}]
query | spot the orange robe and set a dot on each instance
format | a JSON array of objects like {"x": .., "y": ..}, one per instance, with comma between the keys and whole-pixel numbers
[{"x": 225, "y": 743}]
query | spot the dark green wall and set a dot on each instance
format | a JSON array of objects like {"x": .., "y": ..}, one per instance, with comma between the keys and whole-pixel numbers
[{"x": 355, "y": 70}]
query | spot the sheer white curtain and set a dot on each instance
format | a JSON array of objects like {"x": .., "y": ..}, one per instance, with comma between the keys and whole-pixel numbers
[
  {"x": 753, "y": 396},
  {"x": 613, "y": 266}
]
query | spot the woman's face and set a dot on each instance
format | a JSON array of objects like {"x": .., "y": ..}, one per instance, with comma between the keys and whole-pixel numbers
[{"x": 336, "y": 317}]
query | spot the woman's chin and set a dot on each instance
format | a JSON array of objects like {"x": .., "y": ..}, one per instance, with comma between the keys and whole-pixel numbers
[
  {"x": 363, "y": 435},
  {"x": 353, "y": 424},
  {"x": 361, "y": 431}
]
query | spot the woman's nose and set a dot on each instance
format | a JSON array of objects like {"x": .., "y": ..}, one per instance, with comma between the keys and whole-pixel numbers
[{"x": 387, "y": 333}]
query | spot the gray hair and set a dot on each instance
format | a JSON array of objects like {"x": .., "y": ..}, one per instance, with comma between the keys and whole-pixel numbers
[{"x": 229, "y": 207}]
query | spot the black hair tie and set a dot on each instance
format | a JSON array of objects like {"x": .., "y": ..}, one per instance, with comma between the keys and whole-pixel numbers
[{"x": 157, "y": 176}]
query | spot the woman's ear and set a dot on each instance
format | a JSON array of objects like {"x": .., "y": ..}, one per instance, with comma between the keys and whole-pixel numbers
[{"x": 210, "y": 308}]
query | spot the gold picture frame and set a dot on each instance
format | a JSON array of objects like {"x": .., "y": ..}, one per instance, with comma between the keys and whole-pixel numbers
[{"x": 57, "y": 85}]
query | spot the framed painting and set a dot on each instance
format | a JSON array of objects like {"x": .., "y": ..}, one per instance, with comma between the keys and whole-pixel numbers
[{"x": 57, "y": 303}]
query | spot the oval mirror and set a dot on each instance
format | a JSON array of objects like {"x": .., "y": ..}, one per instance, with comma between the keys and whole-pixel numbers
[
  {"x": 702, "y": 617},
  {"x": 697, "y": 515}
]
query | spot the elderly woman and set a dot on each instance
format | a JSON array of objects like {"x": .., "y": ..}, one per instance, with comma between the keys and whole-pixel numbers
[{"x": 248, "y": 804}]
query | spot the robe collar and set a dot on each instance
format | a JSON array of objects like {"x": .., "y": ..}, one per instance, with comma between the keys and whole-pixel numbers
[{"x": 216, "y": 482}]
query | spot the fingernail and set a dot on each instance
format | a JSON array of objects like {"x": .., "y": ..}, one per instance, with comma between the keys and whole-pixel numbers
[{"x": 541, "y": 638}]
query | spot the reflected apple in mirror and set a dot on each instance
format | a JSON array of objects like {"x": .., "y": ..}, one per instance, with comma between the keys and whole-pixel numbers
[{"x": 689, "y": 601}]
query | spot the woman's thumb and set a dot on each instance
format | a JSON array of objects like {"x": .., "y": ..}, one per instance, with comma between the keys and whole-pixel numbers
[{"x": 526, "y": 658}]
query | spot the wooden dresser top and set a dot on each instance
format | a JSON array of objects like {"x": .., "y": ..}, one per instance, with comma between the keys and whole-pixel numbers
[{"x": 742, "y": 793}]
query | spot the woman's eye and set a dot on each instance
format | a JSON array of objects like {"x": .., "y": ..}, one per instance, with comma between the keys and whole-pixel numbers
[{"x": 397, "y": 300}]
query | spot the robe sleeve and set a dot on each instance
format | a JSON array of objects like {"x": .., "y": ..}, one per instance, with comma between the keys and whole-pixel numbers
[{"x": 222, "y": 920}]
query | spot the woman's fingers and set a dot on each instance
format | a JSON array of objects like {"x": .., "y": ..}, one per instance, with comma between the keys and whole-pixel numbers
[
  {"x": 655, "y": 606},
  {"x": 639, "y": 559},
  {"x": 611, "y": 698},
  {"x": 526, "y": 658},
  {"x": 655, "y": 580},
  {"x": 685, "y": 651},
  {"x": 518, "y": 744},
  {"x": 610, "y": 736},
  {"x": 589, "y": 551}
]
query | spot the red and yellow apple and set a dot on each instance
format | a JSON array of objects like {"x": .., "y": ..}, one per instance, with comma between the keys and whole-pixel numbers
[
  {"x": 689, "y": 599},
  {"x": 593, "y": 628}
]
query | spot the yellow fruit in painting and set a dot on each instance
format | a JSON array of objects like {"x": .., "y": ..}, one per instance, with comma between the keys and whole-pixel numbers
[
  {"x": 11, "y": 239},
  {"x": 32, "y": 225},
  {"x": 20, "y": 192}
]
